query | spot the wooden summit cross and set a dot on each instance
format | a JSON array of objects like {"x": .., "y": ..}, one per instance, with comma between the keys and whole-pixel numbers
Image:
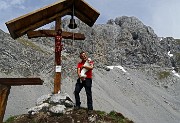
[
  {"x": 26, "y": 24},
  {"x": 5, "y": 86},
  {"x": 58, "y": 48}
]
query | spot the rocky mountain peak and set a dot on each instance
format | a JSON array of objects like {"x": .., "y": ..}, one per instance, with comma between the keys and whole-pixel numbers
[{"x": 122, "y": 41}]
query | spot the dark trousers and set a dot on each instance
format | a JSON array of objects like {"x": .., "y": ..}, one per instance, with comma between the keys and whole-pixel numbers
[{"x": 87, "y": 84}]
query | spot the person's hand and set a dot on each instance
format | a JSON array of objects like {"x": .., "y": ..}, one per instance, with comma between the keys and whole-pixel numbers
[
  {"x": 82, "y": 78},
  {"x": 82, "y": 67}
]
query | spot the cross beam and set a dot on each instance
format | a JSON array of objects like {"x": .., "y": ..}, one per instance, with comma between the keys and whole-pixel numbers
[
  {"x": 65, "y": 35},
  {"x": 20, "y": 81},
  {"x": 5, "y": 86},
  {"x": 33, "y": 20}
]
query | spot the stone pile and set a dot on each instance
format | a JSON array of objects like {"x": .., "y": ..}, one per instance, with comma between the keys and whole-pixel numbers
[{"x": 53, "y": 104}]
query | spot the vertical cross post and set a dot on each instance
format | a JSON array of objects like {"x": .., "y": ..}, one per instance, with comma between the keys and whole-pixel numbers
[
  {"x": 58, "y": 49},
  {"x": 4, "y": 92}
]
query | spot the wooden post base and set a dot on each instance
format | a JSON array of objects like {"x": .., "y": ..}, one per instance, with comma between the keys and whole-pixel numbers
[
  {"x": 4, "y": 93},
  {"x": 5, "y": 86},
  {"x": 57, "y": 82}
]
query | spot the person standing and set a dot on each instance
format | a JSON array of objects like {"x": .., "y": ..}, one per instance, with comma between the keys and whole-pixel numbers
[{"x": 85, "y": 82}]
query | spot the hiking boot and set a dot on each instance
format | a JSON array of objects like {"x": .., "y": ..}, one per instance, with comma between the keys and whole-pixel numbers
[
  {"x": 90, "y": 112},
  {"x": 77, "y": 107}
]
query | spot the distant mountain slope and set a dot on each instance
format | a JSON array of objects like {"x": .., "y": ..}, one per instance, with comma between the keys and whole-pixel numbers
[{"x": 138, "y": 95}]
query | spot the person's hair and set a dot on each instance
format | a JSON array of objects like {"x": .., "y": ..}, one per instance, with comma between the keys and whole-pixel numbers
[{"x": 82, "y": 52}]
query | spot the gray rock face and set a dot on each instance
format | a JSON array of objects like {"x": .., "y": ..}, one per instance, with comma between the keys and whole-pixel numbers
[
  {"x": 123, "y": 41},
  {"x": 22, "y": 56}
]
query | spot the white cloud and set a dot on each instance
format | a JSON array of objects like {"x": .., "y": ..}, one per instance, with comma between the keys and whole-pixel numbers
[
  {"x": 17, "y": 2},
  {"x": 3, "y": 5},
  {"x": 9, "y": 4}
]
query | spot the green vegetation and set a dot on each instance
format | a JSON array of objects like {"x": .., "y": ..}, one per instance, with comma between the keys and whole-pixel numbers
[
  {"x": 113, "y": 117},
  {"x": 177, "y": 41},
  {"x": 118, "y": 117},
  {"x": 163, "y": 74},
  {"x": 101, "y": 113},
  {"x": 10, "y": 119},
  {"x": 80, "y": 115}
]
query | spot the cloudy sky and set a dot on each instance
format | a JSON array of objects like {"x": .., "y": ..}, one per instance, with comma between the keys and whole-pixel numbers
[{"x": 162, "y": 15}]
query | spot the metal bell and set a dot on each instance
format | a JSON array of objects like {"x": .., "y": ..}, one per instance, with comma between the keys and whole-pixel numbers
[{"x": 72, "y": 24}]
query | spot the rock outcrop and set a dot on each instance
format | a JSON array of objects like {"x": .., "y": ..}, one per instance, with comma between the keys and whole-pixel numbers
[
  {"x": 55, "y": 104},
  {"x": 124, "y": 41}
]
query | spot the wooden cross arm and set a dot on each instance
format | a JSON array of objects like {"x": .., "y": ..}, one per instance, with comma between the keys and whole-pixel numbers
[
  {"x": 20, "y": 81},
  {"x": 52, "y": 33},
  {"x": 75, "y": 36}
]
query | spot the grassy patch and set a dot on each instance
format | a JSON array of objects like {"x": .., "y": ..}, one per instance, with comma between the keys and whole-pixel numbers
[
  {"x": 177, "y": 41},
  {"x": 101, "y": 113},
  {"x": 10, "y": 119},
  {"x": 112, "y": 117},
  {"x": 163, "y": 74},
  {"x": 80, "y": 115},
  {"x": 118, "y": 117}
]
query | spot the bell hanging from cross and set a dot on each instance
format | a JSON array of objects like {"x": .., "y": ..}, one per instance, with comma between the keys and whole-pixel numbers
[{"x": 72, "y": 24}]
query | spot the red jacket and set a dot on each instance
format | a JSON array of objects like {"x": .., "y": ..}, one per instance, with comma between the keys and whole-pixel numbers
[{"x": 89, "y": 72}]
